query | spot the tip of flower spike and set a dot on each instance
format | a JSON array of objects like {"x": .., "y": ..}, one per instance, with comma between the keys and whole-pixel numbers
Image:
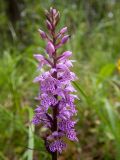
[
  {"x": 53, "y": 10},
  {"x": 53, "y": 17}
]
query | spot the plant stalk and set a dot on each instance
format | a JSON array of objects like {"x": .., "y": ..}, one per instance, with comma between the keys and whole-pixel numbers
[{"x": 55, "y": 108}]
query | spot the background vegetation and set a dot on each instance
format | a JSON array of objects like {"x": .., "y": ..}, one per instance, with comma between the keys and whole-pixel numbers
[{"x": 95, "y": 41}]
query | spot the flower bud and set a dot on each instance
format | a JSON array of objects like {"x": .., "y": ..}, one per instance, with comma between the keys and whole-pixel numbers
[
  {"x": 63, "y": 30},
  {"x": 65, "y": 39},
  {"x": 53, "y": 11},
  {"x": 50, "y": 48},
  {"x": 49, "y": 26},
  {"x": 42, "y": 34}
]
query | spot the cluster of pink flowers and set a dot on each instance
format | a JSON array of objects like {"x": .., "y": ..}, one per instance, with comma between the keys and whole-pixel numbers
[{"x": 56, "y": 96}]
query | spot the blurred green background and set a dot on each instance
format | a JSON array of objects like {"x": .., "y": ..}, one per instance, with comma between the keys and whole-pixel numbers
[{"x": 94, "y": 26}]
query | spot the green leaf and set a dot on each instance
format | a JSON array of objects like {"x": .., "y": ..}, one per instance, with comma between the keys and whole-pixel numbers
[{"x": 105, "y": 72}]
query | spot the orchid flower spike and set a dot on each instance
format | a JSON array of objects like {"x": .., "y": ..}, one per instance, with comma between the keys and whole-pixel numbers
[{"x": 56, "y": 97}]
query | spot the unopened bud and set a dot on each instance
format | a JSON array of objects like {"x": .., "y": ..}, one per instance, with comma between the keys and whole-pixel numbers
[
  {"x": 63, "y": 30},
  {"x": 65, "y": 39},
  {"x": 57, "y": 18},
  {"x": 53, "y": 11},
  {"x": 49, "y": 26},
  {"x": 50, "y": 48},
  {"x": 42, "y": 34}
]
